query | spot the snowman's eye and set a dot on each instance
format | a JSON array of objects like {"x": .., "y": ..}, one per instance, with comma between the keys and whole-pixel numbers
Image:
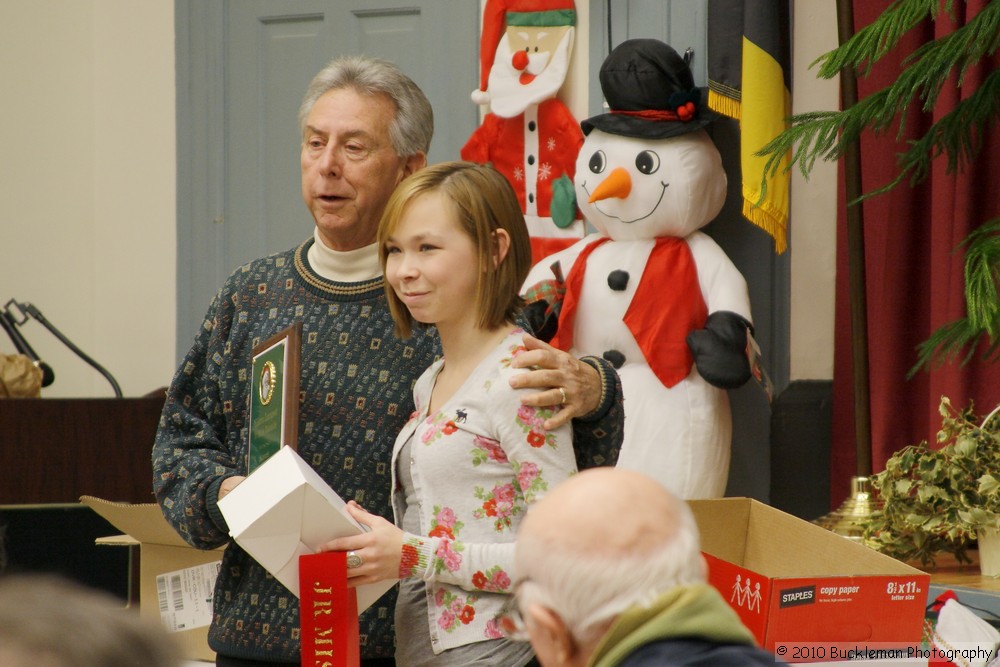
[
  {"x": 647, "y": 162},
  {"x": 598, "y": 162}
]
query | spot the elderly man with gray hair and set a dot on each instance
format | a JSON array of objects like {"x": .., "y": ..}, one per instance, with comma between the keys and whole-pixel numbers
[{"x": 611, "y": 574}]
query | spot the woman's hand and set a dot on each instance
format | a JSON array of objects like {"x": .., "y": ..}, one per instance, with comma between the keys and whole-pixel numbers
[
  {"x": 563, "y": 380},
  {"x": 379, "y": 550}
]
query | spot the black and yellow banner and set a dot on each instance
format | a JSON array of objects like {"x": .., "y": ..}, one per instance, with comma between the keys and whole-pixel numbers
[{"x": 748, "y": 79}]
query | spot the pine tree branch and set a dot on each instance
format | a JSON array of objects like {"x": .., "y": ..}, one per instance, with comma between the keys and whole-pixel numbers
[
  {"x": 826, "y": 135},
  {"x": 869, "y": 44},
  {"x": 982, "y": 304},
  {"x": 957, "y": 135},
  {"x": 823, "y": 135},
  {"x": 982, "y": 278},
  {"x": 933, "y": 62}
]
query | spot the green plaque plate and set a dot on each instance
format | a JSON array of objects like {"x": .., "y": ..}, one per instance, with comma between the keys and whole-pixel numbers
[{"x": 274, "y": 395}]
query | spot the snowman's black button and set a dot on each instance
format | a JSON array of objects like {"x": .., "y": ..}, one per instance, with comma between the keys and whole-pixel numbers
[
  {"x": 618, "y": 280},
  {"x": 531, "y": 159},
  {"x": 531, "y": 126},
  {"x": 615, "y": 358}
]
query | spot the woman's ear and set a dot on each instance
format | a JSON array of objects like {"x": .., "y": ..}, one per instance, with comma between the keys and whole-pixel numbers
[{"x": 501, "y": 245}]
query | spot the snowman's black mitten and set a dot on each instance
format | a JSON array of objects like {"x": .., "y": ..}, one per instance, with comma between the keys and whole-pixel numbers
[{"x": 720, "y": 349}]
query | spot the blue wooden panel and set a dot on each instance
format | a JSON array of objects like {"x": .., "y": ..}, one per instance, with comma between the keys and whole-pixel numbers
[
  {"x": 242, "y": 68},
  {"x": 270, "y": 59}
]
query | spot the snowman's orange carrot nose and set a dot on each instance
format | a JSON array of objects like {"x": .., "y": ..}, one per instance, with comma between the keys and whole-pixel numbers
[{"x": 617, "y": 184}]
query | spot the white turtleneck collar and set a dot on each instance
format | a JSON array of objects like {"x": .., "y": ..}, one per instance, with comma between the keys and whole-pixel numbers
[{"x": 351, "y": 266}]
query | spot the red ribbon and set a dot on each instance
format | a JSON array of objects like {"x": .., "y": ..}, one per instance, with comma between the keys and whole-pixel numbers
[
  {"x": 328, "y": 612},
  {"x": 683, "y": 114}
]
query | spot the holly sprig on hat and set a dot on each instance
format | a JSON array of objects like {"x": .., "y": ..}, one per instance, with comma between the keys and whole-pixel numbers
[{"x": 685, "y": 103}]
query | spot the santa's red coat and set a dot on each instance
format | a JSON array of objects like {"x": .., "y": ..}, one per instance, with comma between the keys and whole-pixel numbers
[{"x": 533, "y": 150}]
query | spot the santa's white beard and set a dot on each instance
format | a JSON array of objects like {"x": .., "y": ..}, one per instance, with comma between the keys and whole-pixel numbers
[{"x": 508, "y": 96}]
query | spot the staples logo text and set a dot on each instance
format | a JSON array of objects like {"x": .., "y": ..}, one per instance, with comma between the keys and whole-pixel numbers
[{"x": 796, "y": 596}]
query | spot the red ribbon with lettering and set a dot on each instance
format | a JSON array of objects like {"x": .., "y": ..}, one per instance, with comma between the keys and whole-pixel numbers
[{"x": 328, "y": 612}]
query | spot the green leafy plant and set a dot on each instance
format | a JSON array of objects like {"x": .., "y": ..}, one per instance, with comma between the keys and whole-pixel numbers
[{"x": 935, "y": 500}]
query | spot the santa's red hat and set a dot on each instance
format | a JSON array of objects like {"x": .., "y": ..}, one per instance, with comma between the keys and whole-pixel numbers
[{"x": 502, "y": 13}]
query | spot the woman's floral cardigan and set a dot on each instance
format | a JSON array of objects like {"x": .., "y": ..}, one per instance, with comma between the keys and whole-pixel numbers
[{"x": 477, "y": 463}]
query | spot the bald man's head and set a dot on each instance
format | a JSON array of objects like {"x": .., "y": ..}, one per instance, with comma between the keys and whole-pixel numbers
[
  {"x": 608, "y": 511},
  {"x": 597, "y": 544}
]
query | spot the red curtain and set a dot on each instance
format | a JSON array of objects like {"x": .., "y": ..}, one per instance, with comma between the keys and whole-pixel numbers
[{"x": 914, "y": 272}]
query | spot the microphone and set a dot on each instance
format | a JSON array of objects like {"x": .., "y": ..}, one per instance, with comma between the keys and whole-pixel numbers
[{"x": 7, "y": 322}]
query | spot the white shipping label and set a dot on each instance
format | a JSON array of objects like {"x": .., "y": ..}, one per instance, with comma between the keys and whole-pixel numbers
[{"x": 185, "y": 596}]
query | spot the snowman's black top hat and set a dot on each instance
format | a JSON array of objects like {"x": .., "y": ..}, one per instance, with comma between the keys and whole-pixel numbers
[{"x": 651, "y": 93}]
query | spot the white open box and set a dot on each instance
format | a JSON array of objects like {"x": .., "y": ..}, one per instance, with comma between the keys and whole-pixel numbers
[
  {"x": 284, "y": 510},
  {"x": 281, "y": 511},
  {"x": 161, "y": 551}
]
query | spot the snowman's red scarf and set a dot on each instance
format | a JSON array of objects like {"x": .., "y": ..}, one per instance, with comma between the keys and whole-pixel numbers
[{"x": 667, "y": 305}]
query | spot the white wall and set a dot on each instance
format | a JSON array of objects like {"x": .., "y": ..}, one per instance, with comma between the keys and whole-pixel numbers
[
  {"x": 813, "y": 231},
  {"x": 87, "y": 186}
]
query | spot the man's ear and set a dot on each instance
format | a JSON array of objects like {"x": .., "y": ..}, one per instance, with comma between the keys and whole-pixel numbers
[
  {"x": 414, "y": 163},
  {"x": 552, "y": 630},
  {"x": 501, "y": 244}
]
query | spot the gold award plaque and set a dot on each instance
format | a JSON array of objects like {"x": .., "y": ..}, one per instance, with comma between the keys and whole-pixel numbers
[{"x": 275, "y": 374}]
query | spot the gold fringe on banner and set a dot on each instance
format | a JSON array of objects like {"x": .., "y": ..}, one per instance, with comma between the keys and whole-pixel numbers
[
  {"x": 728, "y": 104},
  {"x": 773, "y": 222}
]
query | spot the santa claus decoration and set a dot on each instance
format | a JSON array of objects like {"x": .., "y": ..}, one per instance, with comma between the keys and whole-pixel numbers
[
  {"x": 530, "y": 136},
  {"x": 649, "y": 291},
  {"x": 959, "y": 637}
]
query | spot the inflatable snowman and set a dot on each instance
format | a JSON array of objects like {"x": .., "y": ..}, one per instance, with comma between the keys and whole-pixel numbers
[{"x": 649, "y": 292}]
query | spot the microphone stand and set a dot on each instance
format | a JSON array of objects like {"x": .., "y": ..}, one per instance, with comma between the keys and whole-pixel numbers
[
  {"x": 22, "y": 346},
  {"x": 27, "y": 309}
]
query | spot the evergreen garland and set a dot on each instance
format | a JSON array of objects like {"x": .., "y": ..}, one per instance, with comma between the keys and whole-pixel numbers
[{"x": 825, "y": 135}]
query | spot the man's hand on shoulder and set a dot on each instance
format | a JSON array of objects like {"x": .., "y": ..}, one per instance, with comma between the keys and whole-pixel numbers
[{"x": 561, "y": 379}]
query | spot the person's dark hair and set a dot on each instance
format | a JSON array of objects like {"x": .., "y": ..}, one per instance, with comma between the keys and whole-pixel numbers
[
  {"x": 483, "y": 201},
  {"x": 413, "y": 124}
]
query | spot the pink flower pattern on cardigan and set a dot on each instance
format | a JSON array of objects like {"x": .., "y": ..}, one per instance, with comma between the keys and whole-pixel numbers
[{"x": 476, "y": 465}]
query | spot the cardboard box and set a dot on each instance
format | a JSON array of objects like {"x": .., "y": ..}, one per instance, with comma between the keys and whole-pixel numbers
[
  {"x": 162, "y": 552},
  {"x": 284, "y": 510},
  {"x": 793, "y": 581}
]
